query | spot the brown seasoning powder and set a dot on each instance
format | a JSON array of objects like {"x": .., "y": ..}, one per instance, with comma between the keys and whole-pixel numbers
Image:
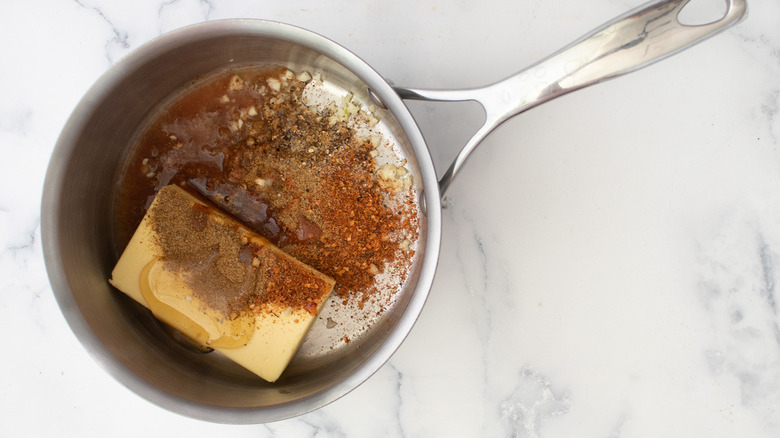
[
  {"x": 293, "y": 175},
  {"x": 222, "y": 267}
]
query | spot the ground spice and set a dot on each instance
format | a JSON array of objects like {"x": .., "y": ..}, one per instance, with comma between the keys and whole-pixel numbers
[
  {"x": 224, "y": 265},
  {"x": 301, "y": 178}
]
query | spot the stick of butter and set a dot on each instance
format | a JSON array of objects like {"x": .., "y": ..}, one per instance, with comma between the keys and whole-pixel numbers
[{"x": 219, "y": 283}]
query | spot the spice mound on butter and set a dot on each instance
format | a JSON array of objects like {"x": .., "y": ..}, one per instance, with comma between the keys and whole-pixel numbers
[{"x": 219, "y": 283}]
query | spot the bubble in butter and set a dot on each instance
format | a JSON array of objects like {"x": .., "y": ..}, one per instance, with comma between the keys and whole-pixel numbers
[{"x": 180, "y": 262}]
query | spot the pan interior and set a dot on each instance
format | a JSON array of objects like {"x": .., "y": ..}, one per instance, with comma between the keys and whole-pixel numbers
[{"x": 126, "y": 338}]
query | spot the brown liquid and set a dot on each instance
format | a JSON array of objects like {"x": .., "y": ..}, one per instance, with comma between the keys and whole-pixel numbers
[{"x": 187, "y": 145}]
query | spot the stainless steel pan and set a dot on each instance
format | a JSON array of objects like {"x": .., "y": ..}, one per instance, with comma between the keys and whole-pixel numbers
[{"x": 77, "y": 198}]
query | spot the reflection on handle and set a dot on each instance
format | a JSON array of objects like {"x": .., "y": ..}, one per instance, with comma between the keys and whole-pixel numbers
[{"x": 634, "y": 40}]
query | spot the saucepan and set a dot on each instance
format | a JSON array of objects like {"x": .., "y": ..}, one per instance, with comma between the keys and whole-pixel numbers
[{"x": 79, "y": 188}]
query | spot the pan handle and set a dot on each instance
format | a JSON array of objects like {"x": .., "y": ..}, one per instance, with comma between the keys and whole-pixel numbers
[{"x": 631, "y": 41}]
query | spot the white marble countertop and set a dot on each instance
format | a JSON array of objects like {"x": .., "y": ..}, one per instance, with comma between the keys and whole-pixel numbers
[{"x": 610, "y": 260}]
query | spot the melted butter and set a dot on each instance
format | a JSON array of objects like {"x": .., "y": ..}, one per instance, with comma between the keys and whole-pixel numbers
[{"x": 171, "y": 301}]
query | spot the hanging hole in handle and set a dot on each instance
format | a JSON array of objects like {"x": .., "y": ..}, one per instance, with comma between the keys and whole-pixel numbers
[{"x": 702, "y": 12}]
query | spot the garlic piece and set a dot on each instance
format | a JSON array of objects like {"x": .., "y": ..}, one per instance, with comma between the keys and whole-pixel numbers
[
  {"x": 274, "y": 83},
  {"x": 236, "y": 83}
]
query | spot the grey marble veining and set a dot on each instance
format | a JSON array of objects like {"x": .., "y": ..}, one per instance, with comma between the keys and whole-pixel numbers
[{"x": 610, "y": 262}]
